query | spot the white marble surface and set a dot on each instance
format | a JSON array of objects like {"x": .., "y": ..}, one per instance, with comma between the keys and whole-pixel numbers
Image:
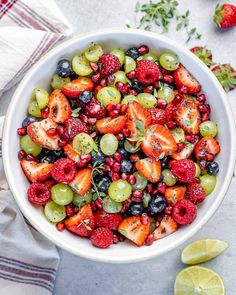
[{"x": 78, "y": 276}]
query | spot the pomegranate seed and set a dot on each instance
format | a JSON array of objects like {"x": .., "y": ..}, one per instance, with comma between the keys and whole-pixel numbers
[
  {"x": 103, "y": 82},
  {"x": 123, "y": 109},
  {"x": 31, "y": 158},
  {"x": 69, "y": 210},
  {"x": 118, "y": 107},
  {"x": 148, "y": 89},
  {"x": 124, "y": 176},
  {"x": 210, "y": 157},
  {"x": 51, "y": 131},
  {"x": 60, "y": 130},
  {"x": 21, "y": 131},
  {"x": 93, "y": 134},
  {"x": 203, "y": 164},
  {"x": 96, "y": 89},
  {"x": 111, "y": 107},
  {"x": 202, "y": 108},
  {"x": 93, "y": 206},
  {"x": 116, "y": 167},
  {"x": 143, "y": 49},
  {"x": 133, "y": 92},
  {"x": 161, "y": 103},
  {"x": 168, "y": 79},
  {"x": 126, "y": 132},
  {"x": 83, "y": 161},
  {"x": 96, "y": 78},
  {"x": 98, "y": 203},
  {"x": 107, "y": 168},
  {"x": 168, "y": 210},
  {"x": 92, "y": 121},
  {"x": 177, "y": 100},
  {"x": 136, "y": 199},
  {"x": 76, "y": 210},
  {"x": 144, "y": 219},
  {"x": 195, "y": 180},
  {"x": 161, "y": 187},
  {"x": 115, "y": 176},
  {"x": 183, "y": 89},
  {"x": 131, "y": 75},
  {"x": 171, "y": 124},
  {"x": 21, "y": 154},
  {"x": 131, "y": 179},
  {"x": 115, "y": 239},
  {"x": 201, "y": 98},
  {"x": 62, "y": 142},
  {"x": 118, "y": 157},
  {"x": 125, "y": 89},
  {"x": 114, "y": 114},
  {"x": 205, "y": 117},
  {"x": 181, "y": 146},
  {"x": 149, "y": 239},
  {"x": 120, "y": 85},
  {"x": 137, "y": 194},
  {"x": 134, "y": 158},
  {"x": 110, "y": 161},
  {"x": 110, "y": 79},
  {"x": 84, "y": 118},
  {"x": 93, "y": 66},
  {"x": 45, "y": 112},
  {"x": 154, "y": 192},
  {"x": 190, "y": 138},
  {"x": 149, "y": 188},
  {"x": 60, "y": 226},
  {"x": 120, "y": 136}
]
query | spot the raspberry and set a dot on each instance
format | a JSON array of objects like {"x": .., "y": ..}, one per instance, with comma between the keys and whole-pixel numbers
[
  {"x": 184, "y": 212},
  {"x": 108, "y": 64},
  {"x": 184, "y": 170},
  {"x": 147, "y": 72},
  {"x": 158, "y": 116},
  {"x": 102, "y": 237},
  {"x": 108, "y": 220},
  {"x": 63, "y": 170},
  {"x": 94, "y": 109},
  {"x": 73, "y": 126},
  {"x": 38, "y": 194},
  {"x": 195, "y": 193}
]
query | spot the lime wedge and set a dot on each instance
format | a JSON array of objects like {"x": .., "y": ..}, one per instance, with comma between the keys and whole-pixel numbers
[
  {"x": 202, "y": 251},
  {"x": 198, "y": 280}
]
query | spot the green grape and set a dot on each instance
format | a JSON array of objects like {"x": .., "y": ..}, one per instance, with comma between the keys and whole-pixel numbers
[
  {"x": 54, "y": 212},
  {"x": 128, "y": 98},
  {"x": 208, "y": 128},
  {"x": 141, "y": 182},
  {"x": 130, "y": 64},
  {"x": 130, "y": 148},
  {"x": 111, "y": 206},
  {"x": 119, "y": 77},
  {"x": 168, "y": 177},
  {"x": 208, "y": 182},
  {"x": 80, "y": 66},
  {"x": 108, "y": 144},
  {"x": 108, "y": 94},
  {"x": 147, "y": 100},
  {"x": 178, "y": 134},
  {"x": 166, "y": 93},
  {"x": 120, "y": 54},
  {"x": 83, "y": 143},
  {"x": 29, "y": 146},
  {"x": 80, "y": 201},
  {"x": 57, "y": 81},
  {"x": 146, "y": 199},
  {"x": 119, "y": 190},
  {"x": 62, "y": 194},
  {"x": 169, "y": 61},
  {"x": 198, "y": 170},
  {"x": 93, "y": 52},
  {"x": 149, "y": 56},
  {"x": 34, "y": 109},
  {"x": 42, "y": 97}
]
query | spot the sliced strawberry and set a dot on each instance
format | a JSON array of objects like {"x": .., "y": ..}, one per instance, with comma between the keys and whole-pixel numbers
[
  {"x": 185, "y": 82},
  {"x": 185, "y": 153},
  {"x": 158, "y": 116},
  {"x": 149, "y": 168},
  {"x": 205, "y": 146},
  {"x": 81, "y": 224},
  {"x": 59, "y": 107},
  {"x": 134, "y": 230},
  {"x": 174, "y": 194},
  {"x": 71, "y": 153},
  {"x": 82, "y": 181},
  {"x": 226, "y": 76},
  {"x": 187, "y": 115},
  {"x": 36, "y": 172},
  {"x": 166, "y": 227},
  {"x": 38, "y": 134},
  {"x": 75, "y": 87},
  {"x": 108, "y": 220},
  {"x": 109, "y": 125},
  {"x": 158, "y": 140}
]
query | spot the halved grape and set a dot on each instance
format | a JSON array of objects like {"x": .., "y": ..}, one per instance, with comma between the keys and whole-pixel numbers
[
  {"x": 147, "y": 100},
  {"x": 54, "y": 212},
  {"x": 119, "y": 77},
  {"x": 42, "y": 97},
  {"x": 130, "y": 148},
  {"x": 108, "y": 94},
  {"x": 80, "y": 201},
  {"x": 130, "y": 64},
  {"x": 57, "y": 81},
  {"x": 108, "y": 144},
  {"x": 34, "y": 109},
  {"x": 93, "y": 52},
  {"x": 119, "y": 190},
  {"x": 141, "y": 182},
  {"x": 208, "y": 128},
  {"x": 149, "y": 56},
  {"x": 146, "y": 199},
  {"x": 169, "y": 61},
  {"x": 83, "y": 143},
  {"x": 120, "y": 54},
  {"x": 178, "y": 134},
  {"x": 198, "y": 170},
  {"x": 62, "y": 194},
  {"x": 29, "y": 146},
  {"x": 128, "y": 98},
  {"x": 80, "y": 65},
  {"x": 208, "y": 182},
  {"x": 111, "y": 206},
  {"x": 168, "y": 177},
  {"x": 166, "y": 93}
]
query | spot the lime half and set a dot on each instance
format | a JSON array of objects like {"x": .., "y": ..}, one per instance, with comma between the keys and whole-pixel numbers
[
  {"x": 198, "y": 280},
  {"x": 202, "y": 251}
]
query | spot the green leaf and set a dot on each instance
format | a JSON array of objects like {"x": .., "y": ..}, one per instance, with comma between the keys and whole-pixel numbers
[
  {"x": 172, "y": 199},
  {"x": 162, "y": 155},
  {"x": 75, "y": 112},
  {"x": 95, "y": 196},
  {"x": 139, "y": 124},
  {"x": 123, "y": 232}
]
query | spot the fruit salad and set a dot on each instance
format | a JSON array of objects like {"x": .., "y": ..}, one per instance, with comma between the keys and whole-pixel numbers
[{"x": 120, "y": 147}]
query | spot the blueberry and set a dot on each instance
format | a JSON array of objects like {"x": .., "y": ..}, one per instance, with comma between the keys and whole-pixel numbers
[
  {"x": 28, "y": 120},
  {"x": 123, "y": 153},
  {"x": 126, "y": 166},
  {"x": 133, "y": 52},
  {"x": 121, "y": 143},
  {"x": 156, "y": 205},
  {"x": 137, "y": 86},
  {"x": 47, "y": 156},
  {"x": 164, "y": 163},
  {"x": 85, "y": 96},
  {"x": 136, "y": 209},
  {"x": 213, "y": 168},
  {"x": 64, "y": 68},
  {"x": 99, "y": 158},
  {"x": 104, "y": 184}
]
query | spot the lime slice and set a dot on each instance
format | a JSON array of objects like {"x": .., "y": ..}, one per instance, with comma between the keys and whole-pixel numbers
[
  {"x": 202, "y": 251},
  {"x": 198, "y": 280}
]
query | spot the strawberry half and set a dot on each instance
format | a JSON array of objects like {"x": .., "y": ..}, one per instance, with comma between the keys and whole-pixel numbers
[
  {"x": 226, "y": 76},
  {"x": 82, "y": 181},
  {"x": 185, "y": 82},
  {"x": 109, "y": 125},
  {"x": 59, "y": 107},
  {"x": 187, "y": 115},
  {"x": 75, "y": 87},
  {"x": 38, "y": 134},
  {"x": 205, "y": 146},
  {"x": 133, "y": 229},
  {"x": 174, "y": 194},
  {"x": 225, "y": 16},
  {"x": 149, "y": 168},
  {"x": 108, "y": 220},
  {"x": 36, "y": 172},
  {"x": 185, "y": 153},
  {"x": 81, "y": 224},
  {"x": 71, "y": 153},
  {"x": 167, "y": 226},
  {"x": 158, "y": 139},
  {"x": 204, "y": 54}
]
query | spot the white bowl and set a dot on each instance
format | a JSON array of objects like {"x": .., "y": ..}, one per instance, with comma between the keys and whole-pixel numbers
[{"x": 40, "y": 75}]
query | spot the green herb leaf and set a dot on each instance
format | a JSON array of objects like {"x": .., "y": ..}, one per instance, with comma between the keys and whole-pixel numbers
[
  {"x": 75, "y": 113},
  {"x": 172, "y": 199},
  {"x": 123, "y": 232}
]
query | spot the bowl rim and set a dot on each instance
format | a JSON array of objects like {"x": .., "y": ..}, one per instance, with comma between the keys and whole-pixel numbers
[{"x": 97, "y": 256}]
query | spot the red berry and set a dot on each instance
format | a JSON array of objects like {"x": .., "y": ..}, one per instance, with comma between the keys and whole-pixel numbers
[
  {"x": 60, "y": 130},
  {"x": 111, "y": 106},
  {"x": 149, "y": 188},
  {"x": 137, "y": 194},
  {"x": 149, "y": 239},
  {"x": 98, "y": 203},
  {"x": 133, "y": 92},
  {"x": 60, "y": 226},
  {"x": 96, "y": 90},
  {"x": 126, "y": 132},
  {"x": 143, "y": 49},
  {"x": 102, "y": 237},
  {"x": 21, "y": 131},
  {"x": 62, "y": 142},
  {"x": 190, "y": 137},
  {"x": 116, "y": 167},
  {"x": 131, "y": 179},
  {"x": 161, "y": 187},
  {"x": 96, "y": 78},
  {"x": 45, "y": 113},
  {"x": 161, "y": 103},
  {"x": 93, "y": 66},
  {"x": 114, "y": 114},
  {"x": 184, "y": 170},
  {"x": 205, "y": 117},
  {"x": 177, "y": 100},
  {"x": 120, "y": 136},
  {"x": 183, "y": 89},
  {"x": 123, "y": 109},
  {"x": 107, "y": 168},
  {"x": 202, "y": 108},
  {"x": 93, "y": 134},
  {"x": 184, "y": 212},
  {"x": 195, "y": 193},
  {"x": 76, "y": 210},
  {"x": 94, "y": 109},
  {"x": 69, "y": 211},
  {"x": 124, "y": 176},
  {"x": 131, "y": 75},
  {"x": 83, "y": 161},
  {"x": 31, "y": 158},
  {"x": 201, "y": 98},
  {"x": 119, "y": 86},
  {"x": 148, "y": 89},
  {"x": 181, "y": 146},
  {"x": 21, "y": 155},
  {"x": 38, "y": 194},
  {"x": 144, "y": 219},
  {"x": 103, "y": 82},
  {"x": 92, "y": 121},
  {"x": 210, "y": 157},
  {"x": 110, "y": 161},
  {"x": 108, "y": 220},
  {"x": 108, "y": 64},
  {"x": 171, "y": 124},
  {"x": 168, "y": 79},
  {"x": 118, "y": 157},
  {"x": 147, "y": 72},
  {"x": 168, "y": 210},
  {"x": 63, "y": 170},
  {"x": 115, "y": 176}
]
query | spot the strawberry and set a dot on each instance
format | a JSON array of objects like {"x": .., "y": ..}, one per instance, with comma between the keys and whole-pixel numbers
[
  {"x": 102, "y": 237},
  {"x": 204, "y": 54},
  {"x": 185, "y": 82},
  {"x": 159, "y": 116},
  {"x": 206, "y": 145},
  {"x": 59, "y": 107},
  {"x": 226, "y": 76},
  {"x": 36, "y": 172},
  {"x": 225, "y": 16},
  {"x": 71, "y": 153},
  {"x": 108, "y": 220},
  {"x": 133, "y": 229},
  {"x": 81, "y": 224},
  {"x": 187, "y": 115},
  {"x": 75, "y": 87},
  {"x": 109, "y": 125},
  {"x": 38, "y": 134},
  {"x": 174, "y": 194},
  {"x": 166, "y": 227},
  {"x": 185, "y": 153},
  {"x": 82, "y": 181},
  {"x": 149, "y": 168},
  {"x": 158, "y": 139}
]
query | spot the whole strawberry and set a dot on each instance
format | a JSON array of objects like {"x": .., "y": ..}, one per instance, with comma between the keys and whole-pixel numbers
[
  {"x": 204, "y": 54},
  {"x": 225, "y": 16},
  {"x": 226, "y": 76}
]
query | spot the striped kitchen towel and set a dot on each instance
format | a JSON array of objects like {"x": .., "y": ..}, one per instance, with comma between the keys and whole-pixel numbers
[{"x": 28, "y": 28}]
